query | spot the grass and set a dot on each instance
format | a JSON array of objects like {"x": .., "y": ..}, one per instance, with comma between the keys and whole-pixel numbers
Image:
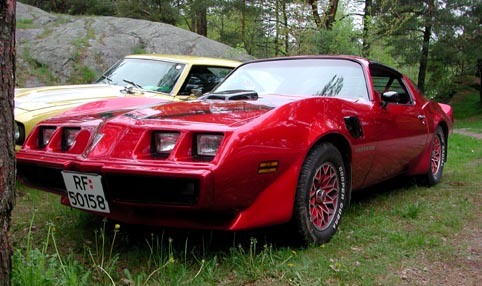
[
  {"x": 387, "y": 229},
  {"x": 36, "y": 69},
  {"x": 25, "y": 24},
  {"x": 81, "y": 73},
  {"x": 139, "y": 50},
  {"x": 467, "y": 106}
]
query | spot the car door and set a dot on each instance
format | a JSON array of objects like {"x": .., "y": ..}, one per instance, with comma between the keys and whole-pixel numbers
[{"x": 402, "y": 128}]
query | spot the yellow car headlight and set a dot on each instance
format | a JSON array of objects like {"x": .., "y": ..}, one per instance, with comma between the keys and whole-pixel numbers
[{"x": 19, "y": 133}]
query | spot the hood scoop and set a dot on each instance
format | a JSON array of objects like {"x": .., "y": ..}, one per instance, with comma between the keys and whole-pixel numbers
[{"x": 231, "y": 95}]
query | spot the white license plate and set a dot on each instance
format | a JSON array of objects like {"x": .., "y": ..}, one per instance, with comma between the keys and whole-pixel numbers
[{"x": 85, "y": 191}]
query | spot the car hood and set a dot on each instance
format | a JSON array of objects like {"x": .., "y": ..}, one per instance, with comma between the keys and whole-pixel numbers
[
  {"x": 231, "y": 113},
  {"x": 30, "y": 99}
]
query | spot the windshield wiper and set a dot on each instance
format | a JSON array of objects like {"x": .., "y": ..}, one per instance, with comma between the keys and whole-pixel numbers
[{"x": 136, "y": 85}]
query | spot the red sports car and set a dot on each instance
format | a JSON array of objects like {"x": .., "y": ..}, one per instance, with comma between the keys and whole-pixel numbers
[{"x": 279, "y": 140}]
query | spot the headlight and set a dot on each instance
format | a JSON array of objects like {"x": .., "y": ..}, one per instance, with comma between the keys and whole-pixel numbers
[
  {"x": 45, "y": 135},
  {"x": 19, "y": 133},
  {"x": 69, "y": 135},
  {"x": 164, "y": 142},
  {"x": 208, "y": 144}
]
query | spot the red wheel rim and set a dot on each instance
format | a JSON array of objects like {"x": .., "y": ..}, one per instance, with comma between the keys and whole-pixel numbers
[
  {"x": 324, "y": 196},
  {"x": 436, "y": 157}
]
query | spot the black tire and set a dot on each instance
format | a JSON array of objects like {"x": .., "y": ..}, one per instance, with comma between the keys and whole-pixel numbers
[
  {"x": 321, "y": 195},
  {"x": 438, "y": 153}
]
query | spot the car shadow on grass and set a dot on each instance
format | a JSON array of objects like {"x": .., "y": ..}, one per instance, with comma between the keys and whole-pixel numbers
[
  {"x": 389, "y": 187},
  {"x": 130, "y": 237}
]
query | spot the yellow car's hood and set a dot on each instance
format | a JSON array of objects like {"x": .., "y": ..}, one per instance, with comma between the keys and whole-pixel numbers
[{"x": 30, "y": 99}]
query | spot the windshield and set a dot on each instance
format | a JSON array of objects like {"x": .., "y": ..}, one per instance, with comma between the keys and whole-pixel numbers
[
  {"x": 148, "y": 74},
  {"x": 300, "y": 77}
]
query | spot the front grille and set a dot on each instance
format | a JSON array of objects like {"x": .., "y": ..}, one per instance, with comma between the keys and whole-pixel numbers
[
  {"x": 152, "y": 190},
  {"x": 42, "y": 177}
]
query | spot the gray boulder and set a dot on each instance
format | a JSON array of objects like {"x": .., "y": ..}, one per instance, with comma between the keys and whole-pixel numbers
[{"x": 61, "y": 49}]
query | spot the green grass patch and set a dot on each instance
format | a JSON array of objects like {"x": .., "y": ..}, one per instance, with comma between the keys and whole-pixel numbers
[
  {"x": 138, "y": 50},
  {"x": 466, "y": 104},
  {"x": 82, "y": 74},
  {"x": 25, "y": 24},
  {"x": 37, "y": 69},
  {"x": 467, "y": 108}
]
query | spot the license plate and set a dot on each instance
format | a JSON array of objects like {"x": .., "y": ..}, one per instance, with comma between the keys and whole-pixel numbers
[{"x": 85, "y": 191}]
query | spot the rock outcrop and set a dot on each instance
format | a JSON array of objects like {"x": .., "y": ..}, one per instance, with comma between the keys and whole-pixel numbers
[{"x": 53, "y": 48}]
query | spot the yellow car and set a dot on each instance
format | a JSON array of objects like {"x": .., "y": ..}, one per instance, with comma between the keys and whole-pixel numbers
[{"x": 169, "y": 77}]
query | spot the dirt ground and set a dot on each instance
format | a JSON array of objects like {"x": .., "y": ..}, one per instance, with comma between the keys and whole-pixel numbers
[
  {"x": 464, "y": 131},
  {"x": 465, "y": 266},
  {"x": 463, "y": 269}
]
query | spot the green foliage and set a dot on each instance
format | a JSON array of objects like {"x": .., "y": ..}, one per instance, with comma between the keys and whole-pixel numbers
[
  {"x": 466, "y": 104},
  {"x": 37, "y": 267},
  {"x": 138, "y": 50},
  {"x": 159, "y": 11},
  {"x": 340, "y": 40},
  {"x": 453, "y": 45},
  {"x": 24, "y": 24},
  {"x": 440, "y": 86},
  {"x": 35, "y": 69},
  {"x": 91, "y": 7},
  {"x": 76, "y": 7},
  {"x": 82, "y": 74}
]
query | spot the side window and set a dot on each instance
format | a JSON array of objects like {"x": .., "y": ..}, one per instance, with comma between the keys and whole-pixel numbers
[
  {"x": 204, "y": 78},
  {"x": 355, "y": 87},
  {"x": 383, "y": 84},
  {"x": 343, "y": 79}
]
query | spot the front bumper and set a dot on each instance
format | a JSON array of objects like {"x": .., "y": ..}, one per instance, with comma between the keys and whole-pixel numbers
[{"x": 146, "y": 195}]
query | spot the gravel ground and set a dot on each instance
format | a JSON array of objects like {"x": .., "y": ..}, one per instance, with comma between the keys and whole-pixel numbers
[{"x": 464, "y": 268}]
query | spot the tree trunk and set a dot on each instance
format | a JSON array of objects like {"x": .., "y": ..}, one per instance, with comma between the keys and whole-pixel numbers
[
  {"x": 201, "y": 22},
  {"x": 285, "y": 30},
  {"x": 328, "y": 17},
  {"x": 479, "y": 70},
  {"x": 315, "y": 14},
  {"x": 7, "y": 145},
  {"x": 243, "y": 23},
  {"x": 331, "y": 14},
  {"x": 277, "y": 29},
  {"x": 422, "y": 71},
  {"x": 367, "y": 17},
  {"x": 200, "y": 16}
]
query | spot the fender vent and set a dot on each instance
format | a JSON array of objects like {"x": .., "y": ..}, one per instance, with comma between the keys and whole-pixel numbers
[{"x": 354, "y": 126}]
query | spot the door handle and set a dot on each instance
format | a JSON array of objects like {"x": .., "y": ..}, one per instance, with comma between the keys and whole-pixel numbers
[{"x": 421, "y": 117}]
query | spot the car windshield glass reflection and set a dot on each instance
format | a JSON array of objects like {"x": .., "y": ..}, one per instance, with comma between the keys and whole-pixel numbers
[
  {"x": 300, "y": 77},
  {"x": 148, "y": 74}
]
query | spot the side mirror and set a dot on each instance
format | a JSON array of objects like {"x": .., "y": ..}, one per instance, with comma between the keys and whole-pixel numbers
[{"x": 391, "y": 97}]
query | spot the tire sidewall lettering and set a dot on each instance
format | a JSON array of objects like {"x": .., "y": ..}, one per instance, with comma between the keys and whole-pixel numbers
[{"x": 341, "y": 205}]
